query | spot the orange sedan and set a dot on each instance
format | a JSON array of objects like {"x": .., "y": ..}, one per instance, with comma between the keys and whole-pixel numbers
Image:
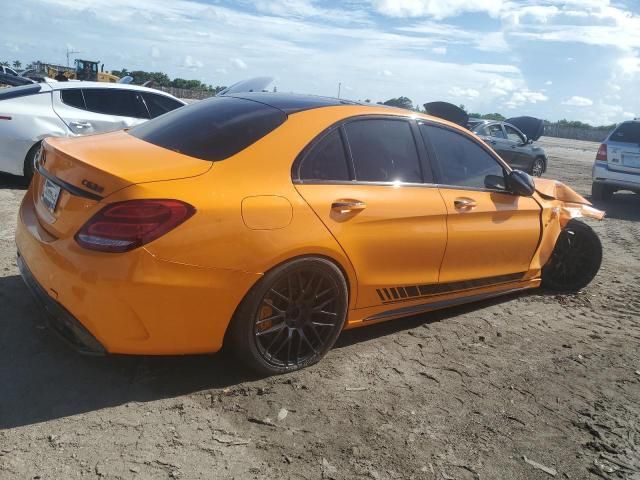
[{"x": 270, "y": 222}]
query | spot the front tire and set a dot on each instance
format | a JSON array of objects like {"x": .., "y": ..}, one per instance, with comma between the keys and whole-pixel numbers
[
  {"x": 538, "y": 167},
  {"x": 292, "y": 317},
  {"x": 575, "y": 260}
]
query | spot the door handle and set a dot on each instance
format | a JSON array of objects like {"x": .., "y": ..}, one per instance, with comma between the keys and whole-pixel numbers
[
  {"x": 346, "y": 206},
  {"x": 492, "y": 142},
  {"x": 464, "y": 203},
  {"x": 80, "y": 125}
]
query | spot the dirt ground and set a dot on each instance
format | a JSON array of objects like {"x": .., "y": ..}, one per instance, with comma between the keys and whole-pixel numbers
[{"x": 497, "y": 390}]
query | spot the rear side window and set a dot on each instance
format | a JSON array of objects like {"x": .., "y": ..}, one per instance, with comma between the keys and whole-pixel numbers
[
  {"x": 461, "y": 161},
  {"x": 73, "y": 97},
  {"x": 159, "y": 104},
  {"x": 495, "y": 130},
  {"x": 627, "y": 133},
  {"x": 383, "y": 151},
  {"x": 326, "y": 160},
  {"x": 112, "y": 101},
  {"x": 212, "y": 129}
]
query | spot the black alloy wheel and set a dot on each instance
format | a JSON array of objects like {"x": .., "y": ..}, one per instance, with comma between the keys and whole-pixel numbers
[
  {"x": 575, "y": 260},
  {"x": 292, "y": 317}
]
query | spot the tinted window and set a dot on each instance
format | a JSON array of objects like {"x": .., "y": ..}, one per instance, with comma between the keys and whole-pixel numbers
[
  {"x": 72, "y": 97},
  {"x": 462, "y": 162},
  {"x": 627, "y": 133},
  {"x": 326, "y": 160},
  {"x": 212, "y": 129},
  {"x": 513, "y": 134},
  {"x": 111, "y": 101},
  {"x": 383, "y": 151},
  {"x": 159, "y": 104}
]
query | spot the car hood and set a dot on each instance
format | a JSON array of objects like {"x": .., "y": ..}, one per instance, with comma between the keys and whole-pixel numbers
[
  {"x": 447, "y": 111},
  {"x": 532, "y": 127}
]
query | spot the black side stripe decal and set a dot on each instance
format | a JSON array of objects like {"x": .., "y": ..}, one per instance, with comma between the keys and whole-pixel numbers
[{"x": 411, "y": 292}]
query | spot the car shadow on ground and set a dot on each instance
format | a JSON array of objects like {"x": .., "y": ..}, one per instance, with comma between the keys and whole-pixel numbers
[
  {"x": 623, "y": 206},
  {"x": 43, "y": 379},
  {"x": 13, "y": 182}
]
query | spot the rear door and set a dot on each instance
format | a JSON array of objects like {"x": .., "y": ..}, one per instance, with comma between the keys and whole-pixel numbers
[
  {"x": 99, "y": 110},
  {"x": 492, "y": 234},
  {"x": 623, "y": 148},
  {"x": 369, "y": 183}
]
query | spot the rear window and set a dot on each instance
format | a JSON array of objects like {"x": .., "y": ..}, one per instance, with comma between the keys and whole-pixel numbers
[
  {"x": 627, "y": 133},
  {"x": 212, "y": 129},
  {"x": 159, "y": 104}
]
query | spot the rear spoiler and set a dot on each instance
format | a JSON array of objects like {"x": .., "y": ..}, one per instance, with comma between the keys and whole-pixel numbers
[{"x": 256, "y": 84}]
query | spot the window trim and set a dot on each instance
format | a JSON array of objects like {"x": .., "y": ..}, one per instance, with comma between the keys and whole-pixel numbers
[
  {"x": 438, "y": 175},
  {"x": 424, "y": 157}
]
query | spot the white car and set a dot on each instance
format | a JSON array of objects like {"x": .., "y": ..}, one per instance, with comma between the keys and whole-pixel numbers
[
  {"x": 8, "y": 71},
  {"x": 30, "y": 113},
  {"x": 617, "y": 165}
]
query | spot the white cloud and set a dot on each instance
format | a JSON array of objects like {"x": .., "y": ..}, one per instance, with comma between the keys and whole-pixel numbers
[
  {"x": 387, "y": 73},
  {"x": 190, "y": 62},
  {"x": 548, "y": 82},
  {"x": 438, "y": 9},
  {"x": 238, "y": 63},
  {"x": 459, "y": 92},
  {"x": 525, "y": 96},
  {"x": 222, "y": 71},
  {"x": 439, "y": 50},
  {"x": 155, "y": 52},
  {"x": 577, "y": 101},
  {"x": 629, "y": 65}
]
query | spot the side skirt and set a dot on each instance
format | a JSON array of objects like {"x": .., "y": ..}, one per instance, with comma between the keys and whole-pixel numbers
[{"x": 438, "y": 305}]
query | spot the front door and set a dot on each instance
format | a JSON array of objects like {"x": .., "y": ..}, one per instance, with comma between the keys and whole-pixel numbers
[
  {"x": 366, "y": 182},
  {"x": 492, "y": 234}
]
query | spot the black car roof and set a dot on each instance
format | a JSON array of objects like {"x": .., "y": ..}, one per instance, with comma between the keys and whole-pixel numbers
[{"x": 292, "y": 103}]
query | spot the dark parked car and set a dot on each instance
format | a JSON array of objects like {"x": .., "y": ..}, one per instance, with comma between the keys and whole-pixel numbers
[
  {"x": 516, "y": 148},
  {"x": 512, "y": 139}
]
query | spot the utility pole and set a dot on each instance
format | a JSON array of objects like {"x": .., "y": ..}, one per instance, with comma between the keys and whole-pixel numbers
[
  {"x": 69, "y": 53},
  {"x": 339, "y": 86}
]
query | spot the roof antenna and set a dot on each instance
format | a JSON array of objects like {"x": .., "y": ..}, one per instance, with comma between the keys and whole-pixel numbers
[{"x": 339, "y": 86}]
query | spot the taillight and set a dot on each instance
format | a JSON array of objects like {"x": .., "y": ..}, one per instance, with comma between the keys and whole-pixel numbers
[
  {"x": 602, "y": 153},
  {"x": 123, "y": 226}
]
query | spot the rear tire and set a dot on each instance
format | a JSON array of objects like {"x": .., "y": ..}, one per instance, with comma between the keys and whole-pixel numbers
[
  {"x": 291, "y": 318},
  {"x": 538, "y": 167},
  {"x": 575, "y": 260},
  {"x": 29, "y": 165},
  {"x": 600, "y": 192}
]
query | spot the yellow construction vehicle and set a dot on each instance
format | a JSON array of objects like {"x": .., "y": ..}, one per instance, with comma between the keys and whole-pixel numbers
[{"x": 84, "y": 70}]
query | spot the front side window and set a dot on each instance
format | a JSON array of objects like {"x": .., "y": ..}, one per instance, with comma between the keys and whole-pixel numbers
[
  {"x": 112, "y": 101},
  {"x": 513, "y": 134},
  {"x": 383, "y": 150},
  {"x": 159, "y": 104},
  {"x": 326, "y": 160},
  {"x": 461, "y": 161}
]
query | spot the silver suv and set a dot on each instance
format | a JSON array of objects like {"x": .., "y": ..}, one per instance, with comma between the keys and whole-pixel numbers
[{"x": 617, "y": 165}]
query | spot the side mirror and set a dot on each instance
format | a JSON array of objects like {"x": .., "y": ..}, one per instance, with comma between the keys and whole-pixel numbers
[{"x": 521, "y": 183}]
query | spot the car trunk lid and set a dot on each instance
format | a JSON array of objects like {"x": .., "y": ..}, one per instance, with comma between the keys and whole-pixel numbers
[
  {"x": 75, "y": 175},
  {"x": 623, "y": 148}
]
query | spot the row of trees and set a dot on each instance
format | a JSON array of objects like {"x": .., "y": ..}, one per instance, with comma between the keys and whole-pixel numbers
[
  {"x": 16, "y": 64},
  {"x": 160, "y": 79}
]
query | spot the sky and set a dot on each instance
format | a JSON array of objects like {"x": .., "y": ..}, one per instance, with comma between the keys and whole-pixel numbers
[{"x": 574, "y": 59}]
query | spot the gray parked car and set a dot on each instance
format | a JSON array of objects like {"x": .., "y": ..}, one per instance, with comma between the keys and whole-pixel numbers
[
  {"x": 512, "y": 139},
  {"x": 617, "y": 165},
  {"x": 516, "y": 148}
]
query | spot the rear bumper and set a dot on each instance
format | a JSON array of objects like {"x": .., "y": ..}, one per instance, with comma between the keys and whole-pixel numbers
[
  {"x": 129, "y": 303},
  {"x": 59, "y": 319},
  {"x": 602, "y": 174}
]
